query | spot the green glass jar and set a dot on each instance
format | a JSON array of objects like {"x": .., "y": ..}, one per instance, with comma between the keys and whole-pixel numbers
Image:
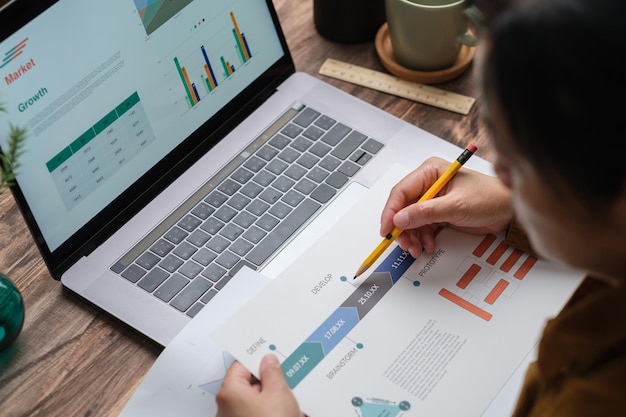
[{"x": 11, "y": 312}]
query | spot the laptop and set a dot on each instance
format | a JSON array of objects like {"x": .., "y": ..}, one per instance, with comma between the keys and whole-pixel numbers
[{"x": 171, "y": 144}]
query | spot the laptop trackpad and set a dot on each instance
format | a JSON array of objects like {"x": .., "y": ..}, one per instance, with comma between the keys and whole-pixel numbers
[{"x": 313, "y": 231}]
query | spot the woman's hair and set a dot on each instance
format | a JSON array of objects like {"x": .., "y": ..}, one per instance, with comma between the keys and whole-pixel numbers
[{"x": 554, "y": 68}]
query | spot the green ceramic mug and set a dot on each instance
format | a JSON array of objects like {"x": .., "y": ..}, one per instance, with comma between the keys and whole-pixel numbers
[{"x": 427, "y": 35}]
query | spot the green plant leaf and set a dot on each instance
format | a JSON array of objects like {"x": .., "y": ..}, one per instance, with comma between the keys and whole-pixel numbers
[{"x": 9, "y": 158}]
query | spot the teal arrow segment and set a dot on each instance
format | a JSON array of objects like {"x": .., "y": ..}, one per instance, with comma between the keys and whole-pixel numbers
[{"x": 301, "y": 362}]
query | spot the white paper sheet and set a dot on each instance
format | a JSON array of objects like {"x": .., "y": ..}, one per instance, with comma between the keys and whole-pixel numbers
[
  {"x": 187, "y": 374},
  {"x": 436, "y": 336}
]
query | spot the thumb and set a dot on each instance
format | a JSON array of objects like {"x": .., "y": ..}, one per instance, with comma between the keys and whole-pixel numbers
[{"x": 271, "y": 373}]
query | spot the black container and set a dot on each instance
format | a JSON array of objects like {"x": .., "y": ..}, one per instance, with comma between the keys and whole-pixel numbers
[{"x": 348, "y": 20}]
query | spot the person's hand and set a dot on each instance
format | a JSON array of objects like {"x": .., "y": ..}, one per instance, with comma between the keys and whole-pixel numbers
[
  {"x": 471, "y": 202},
  {"x": 239, "y": 396}
]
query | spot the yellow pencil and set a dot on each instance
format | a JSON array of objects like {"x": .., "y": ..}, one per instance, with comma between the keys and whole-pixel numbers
[{"x": 429, "y": 194}]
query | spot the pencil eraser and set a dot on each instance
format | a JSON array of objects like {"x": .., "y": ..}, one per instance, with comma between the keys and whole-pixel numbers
[{"x": 472, "y": 148}]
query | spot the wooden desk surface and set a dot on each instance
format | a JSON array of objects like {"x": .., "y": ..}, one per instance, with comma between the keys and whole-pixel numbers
[{"x": 73, "y": 360}]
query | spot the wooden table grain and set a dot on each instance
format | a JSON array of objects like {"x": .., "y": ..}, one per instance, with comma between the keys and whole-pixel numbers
[{"x": 71, "y": 359}]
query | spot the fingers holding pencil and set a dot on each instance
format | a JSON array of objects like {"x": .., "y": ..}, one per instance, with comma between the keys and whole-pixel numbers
[
  {"x": 423, "y": 184},
  {"x": 398, "y": 211}
]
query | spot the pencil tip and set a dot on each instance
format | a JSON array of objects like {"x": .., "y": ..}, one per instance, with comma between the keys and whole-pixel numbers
[{"x": 355, "y": 277}]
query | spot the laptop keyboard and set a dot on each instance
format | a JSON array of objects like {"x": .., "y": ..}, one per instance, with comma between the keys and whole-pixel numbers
[{"x": 252, "y": 207}]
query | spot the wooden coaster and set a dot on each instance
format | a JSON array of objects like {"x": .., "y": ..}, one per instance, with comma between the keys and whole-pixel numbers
[{"x": 385, "y": 53}]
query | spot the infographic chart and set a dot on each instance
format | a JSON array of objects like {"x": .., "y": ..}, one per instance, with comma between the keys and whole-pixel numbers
[
  {"x": 484, "y": 283},
  {"x": 410, "y": 335},
  {"x": 478, "y": 283},
  {"x": 339, "y": 324}
]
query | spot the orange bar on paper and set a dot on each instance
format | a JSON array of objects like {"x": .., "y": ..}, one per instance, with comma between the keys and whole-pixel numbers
[
  {"x": 497, "y": 253},
  {"x": 484, "y": 245},
  {"x": 510, "y": 261},
  {"x": 497, "y": 291},
  {"x": 525, "y": 267},
  {"x": 465, "y": 304},
  {"x": 468, "y": 276}
]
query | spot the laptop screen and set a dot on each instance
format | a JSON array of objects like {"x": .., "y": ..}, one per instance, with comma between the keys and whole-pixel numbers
[{"x": 115, "y": 93}]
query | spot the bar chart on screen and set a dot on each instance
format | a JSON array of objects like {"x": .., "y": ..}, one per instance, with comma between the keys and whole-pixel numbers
[
  {"x": 197, "y": 53},
  {"x": 209, "y": 63}
]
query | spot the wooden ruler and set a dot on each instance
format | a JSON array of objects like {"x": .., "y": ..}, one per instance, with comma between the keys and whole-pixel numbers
[{"x": 393, "y": 85}]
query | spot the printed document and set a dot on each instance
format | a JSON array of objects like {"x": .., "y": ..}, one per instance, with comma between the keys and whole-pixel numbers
[{"x": 435, "y": 336}]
